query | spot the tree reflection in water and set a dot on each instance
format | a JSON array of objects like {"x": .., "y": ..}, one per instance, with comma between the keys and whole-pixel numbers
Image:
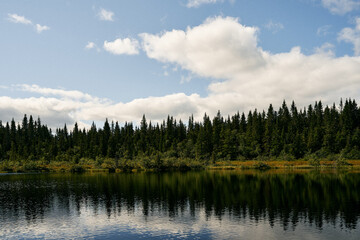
[{"x": 285, "y": 197}]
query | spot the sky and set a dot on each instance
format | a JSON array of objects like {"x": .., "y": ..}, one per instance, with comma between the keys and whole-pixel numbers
[{"x": 84, "y": 61}]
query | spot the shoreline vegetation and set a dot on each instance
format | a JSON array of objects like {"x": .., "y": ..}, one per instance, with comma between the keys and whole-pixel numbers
[
  {"x": 313, "y": 137},
  {"x": 109, "y": 165}
]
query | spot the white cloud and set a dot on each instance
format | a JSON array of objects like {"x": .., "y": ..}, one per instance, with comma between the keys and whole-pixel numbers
[
  {"x": 57, "y": 106},
  {"x": 77, "y": 95},
  {"x": 197, "y": 3},
  {"x": 53, "y": 112},
  {"x": 274, "y": 27},
  {"x": 40, "y": 28},
  {"x": 341, "y": 7},
  {"x": 220, "y": 48},
  {"x": 18, "y": 19},
  {"x": 90, "y": 45},
  {"x": 326, "y": 48},
  {"x": 21, "y": 19},
  {"x": 352, "y": 35},
  {"x": 122, "y": 46},
  {"x": 106, "y": 15}
]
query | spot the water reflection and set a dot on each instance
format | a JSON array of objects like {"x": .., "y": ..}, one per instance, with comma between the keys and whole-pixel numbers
[{"x": 209, "y": 204}]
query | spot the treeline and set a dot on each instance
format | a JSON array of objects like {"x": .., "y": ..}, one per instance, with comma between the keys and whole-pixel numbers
[{"x": 288, "y": 133}]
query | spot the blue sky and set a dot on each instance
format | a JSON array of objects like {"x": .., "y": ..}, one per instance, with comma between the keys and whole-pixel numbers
[{"x": 85, "y": 61}]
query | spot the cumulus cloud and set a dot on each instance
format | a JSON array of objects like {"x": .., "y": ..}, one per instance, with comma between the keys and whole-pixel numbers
[
  {"x": 244, "y": 77},
  {"x": 57, "y": 106},
  {"x": 53, "y": 112},
  {"x": 18, "y": 19},
  {"x": 352, "y": 35},
  {"x": 122, "y": 46},
  {"x": 341, "y": 7},
  {"x": 222, "y": 48},
  {"x": 40, "y": 28},
  {"x": 218, "y": 48},
  {"x": 106, "y": 15}
]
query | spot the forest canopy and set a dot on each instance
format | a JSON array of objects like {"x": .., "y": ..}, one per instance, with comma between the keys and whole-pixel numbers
[{"x": 288, "y": 132}]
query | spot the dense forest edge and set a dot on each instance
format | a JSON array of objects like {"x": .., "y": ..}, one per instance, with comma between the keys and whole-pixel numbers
[{"x": 315, "y": 136}]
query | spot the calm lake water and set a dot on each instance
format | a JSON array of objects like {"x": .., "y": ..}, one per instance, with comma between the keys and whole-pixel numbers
[{"x": 176, "y": 205}]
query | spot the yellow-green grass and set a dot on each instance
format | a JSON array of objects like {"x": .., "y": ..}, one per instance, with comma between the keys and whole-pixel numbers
[
  {"x": 279, "y": 164},
  {"x": 38, "y": 166}
]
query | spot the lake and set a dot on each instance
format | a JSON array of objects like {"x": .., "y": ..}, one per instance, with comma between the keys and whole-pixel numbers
[{"x": 181, "y": 205}]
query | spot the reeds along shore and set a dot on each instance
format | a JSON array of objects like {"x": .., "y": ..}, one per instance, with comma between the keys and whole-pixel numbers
[{"x": 111, "y": 165}]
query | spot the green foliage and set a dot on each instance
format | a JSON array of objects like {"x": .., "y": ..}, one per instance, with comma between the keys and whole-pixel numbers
[
  {"x": 285, "y": 134},
  {"x": 6, "y": 166},
  {"x": 350, "y": 153},
  {"x": 314, "y": 162},
  {"x": 261, "y": 166},
  {"x": 340, "y": 161},
  {"x": 286, "y": 157},
  {"x": 109, "y": 163},
  {"x": 30, "y": 166}
]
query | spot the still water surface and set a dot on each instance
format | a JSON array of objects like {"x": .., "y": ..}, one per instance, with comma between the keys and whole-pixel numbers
[{"x": 176, "y": 205}]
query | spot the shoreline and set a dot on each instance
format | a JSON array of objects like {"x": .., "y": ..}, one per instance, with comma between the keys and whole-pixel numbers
[{"x": 23, "y": 167}]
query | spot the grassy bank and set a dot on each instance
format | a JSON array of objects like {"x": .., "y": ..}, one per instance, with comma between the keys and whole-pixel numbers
[
  {"x": 280, "y": 164},
  {"x": 157, "y": 164},
  {"x": 103, "y": 165}
]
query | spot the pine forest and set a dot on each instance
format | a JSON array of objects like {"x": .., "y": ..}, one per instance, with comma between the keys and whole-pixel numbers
[{"x": 315, "y": 132}]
